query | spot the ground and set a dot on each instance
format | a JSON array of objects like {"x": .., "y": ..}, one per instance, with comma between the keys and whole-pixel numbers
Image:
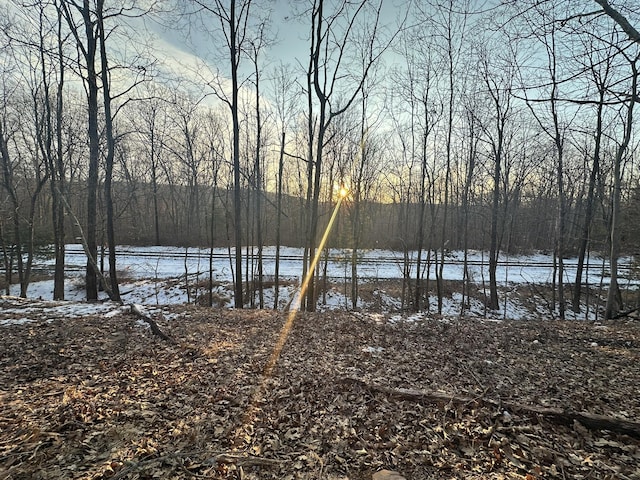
[{"x": 99, "y": 396}]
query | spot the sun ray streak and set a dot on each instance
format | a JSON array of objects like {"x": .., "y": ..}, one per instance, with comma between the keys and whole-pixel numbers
[{"x": 258, "y": 394}]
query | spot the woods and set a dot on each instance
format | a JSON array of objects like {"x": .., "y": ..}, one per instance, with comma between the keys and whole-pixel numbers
[
  {"x": 332, "y": 239},
  {"x": 496, "y": 126}
]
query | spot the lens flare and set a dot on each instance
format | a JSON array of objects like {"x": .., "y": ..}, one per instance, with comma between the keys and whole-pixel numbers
[{"x": 258, "y": 394}]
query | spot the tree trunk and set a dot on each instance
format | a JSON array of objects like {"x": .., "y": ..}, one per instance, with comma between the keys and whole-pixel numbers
[
  {"x": 276, "y": 279},
  {"x": 614, "y": 303},
  {"x": 417, "y": 302},
  {"x": 466, "y": 281},
  {"x": 106, "y": 92},
  {"x": 315, "y": 208},
  {"x": 154, "y": 191},
  {"x": 237, "y": 198},
  {"x": 26, "y": 276},
  {"x": 258, "y": 186},
  {"x": 91, "y": 279},
  {"x": 54, "y": 162},
  {"x": 588, "y": 214},
  {"x": 7, "y": 177},
  {"x": 495, "y": 207}
]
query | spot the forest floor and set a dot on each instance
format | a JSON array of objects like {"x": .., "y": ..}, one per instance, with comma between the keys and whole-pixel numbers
[{"x": 100, "y": 396}]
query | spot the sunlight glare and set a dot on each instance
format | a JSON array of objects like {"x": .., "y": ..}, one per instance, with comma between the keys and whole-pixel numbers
[{"x": 258, "y": 394}]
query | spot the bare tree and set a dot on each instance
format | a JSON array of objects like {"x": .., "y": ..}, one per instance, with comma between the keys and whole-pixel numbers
[
  {"x": 499, "y": 90},
  {"x": 233, "y": 20},
  {"x": 186, "y": 149},
  {"x": 554, "y": 122},
  {"x": 449, "y": 25},
  {"x": 473, "y": 131},
  {"x": 111, "y": 146},
  {"x": 600, "y": 69},
  {"x": 418, "y": 84},
  {"x": 23, "y": 134},
  {"x": 255, "y": 49},
  {"x": 215, "y": 148},
  {"x": 86, "y": 36},
  {"x": 52, "y": 69},
  {"x": 331, "y": 35},
  {"x": 614, "y": 302},
  {"x": 283, "y": 83},
  {"x": 87, "y": 23},
  {"x": 150, "y": 123}
]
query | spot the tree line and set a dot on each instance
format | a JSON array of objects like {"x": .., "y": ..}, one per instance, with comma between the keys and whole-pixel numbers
[{"x": 500, "y": 126}]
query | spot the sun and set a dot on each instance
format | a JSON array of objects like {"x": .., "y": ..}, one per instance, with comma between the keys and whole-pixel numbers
[{"x": 343, "y": 191}]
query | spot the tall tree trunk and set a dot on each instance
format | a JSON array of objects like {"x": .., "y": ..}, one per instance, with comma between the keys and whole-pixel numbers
[
  {"x": 58, "y": 179},
  {"x": 91, "y": 85},
  {"x": 356, "y": 226},
  {"x": 54, "y": 161},
  {"x": 588, "y": 217},
  {"x": 322, "y": 78},
  {"x": 7, "y": 178},
  {"x": 559, "y": 141},
  {"x": 154, "y": 193},
  {"x": 237, "y": 186},
  {"x": 466, "y": 281},
  {"x": 417, "y": 302},
  {"x": 258, "y": 186},
  {"x": 212, "y": 241},
  {"x": 493, "y": 244},
  {"x": 306, "y": 218},
  {"x": 106, "y": 93},
  {"x": 315, "y": 209},
  {"x": 613, "y": 295},
  {"x": 445, "y": 207},
  {"x": 276, "y": 279}
]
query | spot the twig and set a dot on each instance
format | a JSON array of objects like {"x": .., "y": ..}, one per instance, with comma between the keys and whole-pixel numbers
[
  {"x": 475, "y": 377},
  {"x": 155, "y": 329},
  {"x": 245, "y": 460}
]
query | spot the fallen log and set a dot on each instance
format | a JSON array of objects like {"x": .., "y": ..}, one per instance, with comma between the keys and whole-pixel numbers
[{"x": 556, "y": 415}]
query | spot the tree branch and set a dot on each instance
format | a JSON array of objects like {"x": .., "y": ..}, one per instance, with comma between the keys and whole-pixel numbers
[{"x": 620, "y": 19}]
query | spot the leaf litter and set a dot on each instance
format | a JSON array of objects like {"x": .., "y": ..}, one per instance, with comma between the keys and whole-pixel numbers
[{"x": 100, "y": 397}]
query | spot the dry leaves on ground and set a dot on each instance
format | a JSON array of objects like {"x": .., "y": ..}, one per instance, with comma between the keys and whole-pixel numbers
[{"x": 97, "y": 398}]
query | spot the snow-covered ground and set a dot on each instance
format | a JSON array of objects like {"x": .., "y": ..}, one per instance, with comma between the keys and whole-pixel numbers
[{"x": 157, "y": 276}]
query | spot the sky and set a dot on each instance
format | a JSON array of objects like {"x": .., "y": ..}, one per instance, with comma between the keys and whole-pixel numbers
[{"x": 183, "y": 46}]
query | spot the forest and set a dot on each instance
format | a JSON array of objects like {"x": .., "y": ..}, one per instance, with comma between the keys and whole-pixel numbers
[
  {"x": 431, "y": 130},
  {"x": 497, "y": 126}
]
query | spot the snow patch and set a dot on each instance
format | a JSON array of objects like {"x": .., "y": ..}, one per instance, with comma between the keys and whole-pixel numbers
[
  {"x": 16, "y": 321},
  {"x": 372, "y": 350}
]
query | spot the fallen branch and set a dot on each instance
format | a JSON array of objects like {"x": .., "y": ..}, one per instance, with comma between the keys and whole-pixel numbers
[
  {"x": 557, "y": 415},
  {"x": 626, "y": 313},
  {"x": 85, "y": 245},
  {"x": 244, "y": 460},
  {"x": 155, "y": 329}
]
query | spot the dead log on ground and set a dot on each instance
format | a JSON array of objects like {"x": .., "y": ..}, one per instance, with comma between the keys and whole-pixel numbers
[{"x": 556, "y": 415}]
